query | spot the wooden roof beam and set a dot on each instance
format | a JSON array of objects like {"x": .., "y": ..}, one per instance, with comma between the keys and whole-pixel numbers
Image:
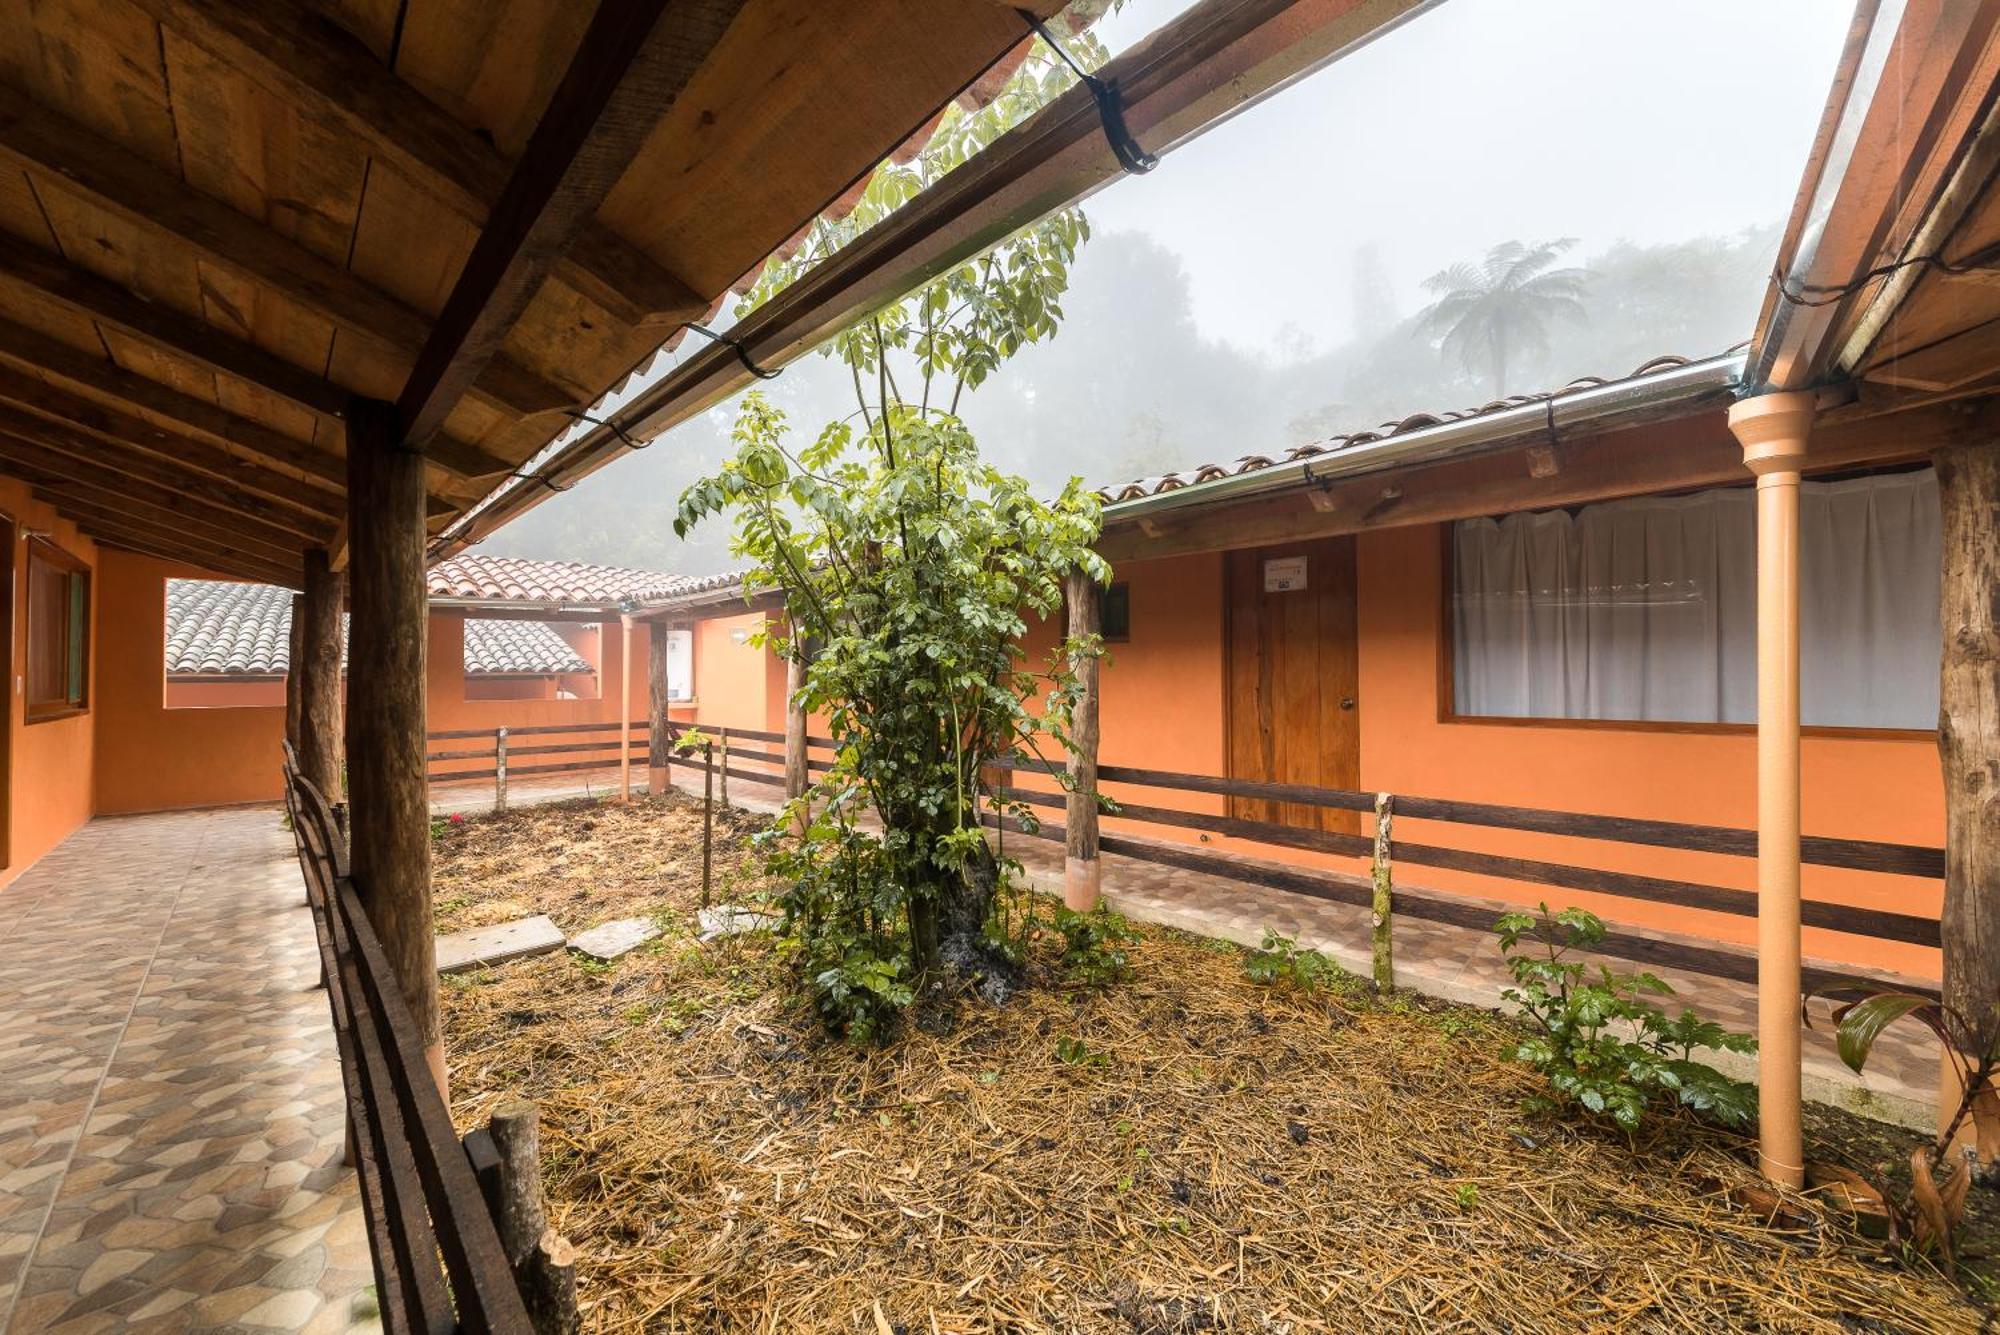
[
  {"x": 26, "y": 400},
  {"x": 88, "y": 455},
  {"x": 31, "y": 347},
  {"x": 110, "y": 304},
  {"x": 148, "y": 540},
  {"x": 331, "y": 75},
  {"x": 226, "y": 531},
  {"x": 122, "y": 183},
  {"x": 635, "y": 59}
]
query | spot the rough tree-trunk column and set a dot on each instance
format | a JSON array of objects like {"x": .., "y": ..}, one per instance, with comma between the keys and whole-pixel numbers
[
  {"x": 387, "y": 793},
  {"x": 1082, "y": 872},
  {"x": 318, "y": 664},
  {"x": 294, "y": 678},
  {"x": 625, "y": 707},
  {"x": 1969, "y": 731},
  {"x": 659, "y": 744},
  {"x": 797, "y": 776},
  {"x": 1773, "y": 430}
]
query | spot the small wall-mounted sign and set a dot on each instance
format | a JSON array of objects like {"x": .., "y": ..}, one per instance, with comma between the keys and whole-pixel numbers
[{"x": 1285, "y": 574}]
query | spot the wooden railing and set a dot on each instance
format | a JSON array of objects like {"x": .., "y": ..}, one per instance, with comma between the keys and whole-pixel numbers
[
  {"x": 503, "y": 749},
  {"x": 439, "y": 1261},
  {"x": 1438, "y": 906}
]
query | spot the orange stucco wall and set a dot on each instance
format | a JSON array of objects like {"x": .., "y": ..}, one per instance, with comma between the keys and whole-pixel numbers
[
  {"x": 199, "y": 694},
  {"x": 1163, "y": 709},
  {"x": 50, "y": 762},
  {"x": 151, "y": 757}
]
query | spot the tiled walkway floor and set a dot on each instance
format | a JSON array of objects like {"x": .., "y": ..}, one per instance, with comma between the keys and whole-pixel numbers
[
  {"x": 1463, "y": 965},
  {"x": 170, "y": 1103}
]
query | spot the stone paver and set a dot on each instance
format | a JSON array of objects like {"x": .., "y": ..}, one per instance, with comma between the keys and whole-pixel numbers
[
  {"x": 1463, "y": 965},
  {"x": 171, "y": 1116}
]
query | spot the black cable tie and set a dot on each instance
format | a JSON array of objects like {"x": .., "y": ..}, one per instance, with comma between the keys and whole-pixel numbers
[
  {"x": 1549, "y": 415},
  {"x": 542, "y": 478},
  {"x": 742, "y": 354},
  {"x": 610, "y": 424},
  {"x": 1110, "y": 106}
]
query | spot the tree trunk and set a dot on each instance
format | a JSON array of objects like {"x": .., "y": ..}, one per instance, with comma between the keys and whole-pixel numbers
[
  {"x": 387, "y": 791},
  {"x": 1969, "y": 731},
  {"x": 319, "y": 664},
  {"x": 1082, "y": 874},
  {"x": 294, "y": 676},
  {"x": 659, "y": 737}
]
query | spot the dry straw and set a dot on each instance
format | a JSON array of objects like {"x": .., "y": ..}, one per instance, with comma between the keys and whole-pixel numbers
[{"x": 1221, "y": 1156}]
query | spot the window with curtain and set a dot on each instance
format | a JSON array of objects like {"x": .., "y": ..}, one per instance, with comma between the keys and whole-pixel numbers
[
  {"x": 1645, "y": 610},
  {"x": 58, "y": 677}
]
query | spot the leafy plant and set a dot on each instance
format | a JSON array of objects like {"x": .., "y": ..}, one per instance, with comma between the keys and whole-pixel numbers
[
  {"x": 1601, "y": 1044},
  {"x": 1281, "y": 961},
  {"x": 1930, "y": 1217},
  {"x": 1076, "y": 1052},
  {"x": 911, "y": 568},
  {"x": 1093, "y": 944}
]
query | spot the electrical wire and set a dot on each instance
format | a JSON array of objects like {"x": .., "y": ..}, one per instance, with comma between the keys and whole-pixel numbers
[{"x": 1110, "y": 106}]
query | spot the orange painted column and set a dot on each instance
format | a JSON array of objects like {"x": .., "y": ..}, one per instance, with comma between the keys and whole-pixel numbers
[{"x": 1773, "y": 429}]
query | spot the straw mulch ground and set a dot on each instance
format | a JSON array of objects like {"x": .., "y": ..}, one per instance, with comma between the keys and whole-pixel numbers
[{"x": 1225, "y": 1157}]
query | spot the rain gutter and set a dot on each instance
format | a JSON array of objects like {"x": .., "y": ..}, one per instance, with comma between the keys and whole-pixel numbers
[{"x": 1597, "y": 408}]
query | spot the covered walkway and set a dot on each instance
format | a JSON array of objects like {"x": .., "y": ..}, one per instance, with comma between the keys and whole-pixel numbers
[{"x": 171, "y": 1114}]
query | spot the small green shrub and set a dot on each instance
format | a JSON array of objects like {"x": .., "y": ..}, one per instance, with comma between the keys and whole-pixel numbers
[
  {"x": 1281, "y": 961},
  {"x": 1600, "y": 1043},
  {"x": 1076, "y": 1052},
  {"x": 1093, "y": 944}
]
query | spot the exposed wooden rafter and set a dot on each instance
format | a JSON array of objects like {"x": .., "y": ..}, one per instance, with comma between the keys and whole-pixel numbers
[
  {"x": 150, "y": 540},
  {"x": 635, "y": 58},
  {"x": 120, "y": 182}
]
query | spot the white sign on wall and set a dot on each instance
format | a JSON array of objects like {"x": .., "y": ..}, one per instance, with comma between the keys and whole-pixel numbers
[{"x": 1285, "y": 574}]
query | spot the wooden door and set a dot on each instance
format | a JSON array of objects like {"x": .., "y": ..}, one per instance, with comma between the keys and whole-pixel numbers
[{"x": 1293, "y": 674}]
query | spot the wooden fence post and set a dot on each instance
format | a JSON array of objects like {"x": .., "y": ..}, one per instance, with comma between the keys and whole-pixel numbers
[
  {"x": 500, "y": 769},
  {"x": 707, "y": 819},
  {"x": 543, "y": 1261},
  {"x": 1384, "y": 901},
  {"x": 722, "y": 776}
]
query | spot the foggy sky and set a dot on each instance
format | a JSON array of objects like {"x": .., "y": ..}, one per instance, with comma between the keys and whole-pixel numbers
[{"x": 1246, "y": 294}]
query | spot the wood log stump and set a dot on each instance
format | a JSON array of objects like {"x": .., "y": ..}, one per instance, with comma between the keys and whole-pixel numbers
[{"x": 543, "y": 1261}]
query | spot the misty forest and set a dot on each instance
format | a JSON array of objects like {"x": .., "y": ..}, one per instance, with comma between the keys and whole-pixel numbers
[{"x": 1132, "y": 386}]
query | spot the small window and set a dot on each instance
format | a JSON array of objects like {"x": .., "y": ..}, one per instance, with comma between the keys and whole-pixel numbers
[
  {"x": 58, "y": 633},
  {"x": 1117, "y": 614}
]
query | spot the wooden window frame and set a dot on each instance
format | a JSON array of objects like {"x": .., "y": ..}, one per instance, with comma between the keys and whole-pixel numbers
[
  {"x": 1121, "y": 588},
  {"x": 43, "y": 550},
  {"x": 1447, "y": 687}
]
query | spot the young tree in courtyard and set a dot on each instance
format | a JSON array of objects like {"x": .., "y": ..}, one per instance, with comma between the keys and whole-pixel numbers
[{"x": 912, "y": 570}]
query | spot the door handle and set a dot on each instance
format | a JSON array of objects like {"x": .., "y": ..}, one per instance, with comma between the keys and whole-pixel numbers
[{"x": 1347, "y": 702}]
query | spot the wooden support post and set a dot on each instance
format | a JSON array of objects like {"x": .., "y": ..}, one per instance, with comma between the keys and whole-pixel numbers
[
  {"x": 1969, "y": 739},
  {"x": 798, "y": 777},
  {"x": 500, "y": 769},
  {"x": 1772, "y": 429},
  {"x": 625, "y": 707},
  {"x": 318, "y": 666},
  {"x": 543, "y": 1261},
  {"x": 387, "y": 788},
  {"x": 707, "y": 821},
  {"x": 1384, "y": 901},
  {"x": 294, "y": 677},
  {"x": 1082, "y": 871}
]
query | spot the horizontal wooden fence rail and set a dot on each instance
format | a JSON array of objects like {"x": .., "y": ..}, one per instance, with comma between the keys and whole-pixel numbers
[
  {"x": 1457, "y": 910},
  {"x": 500, "y": 750},
  {"x": 438, "y": 1259}
]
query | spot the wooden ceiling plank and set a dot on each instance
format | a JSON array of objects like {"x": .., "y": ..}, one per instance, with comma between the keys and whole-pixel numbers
[
  {"x": 111, "y": 304},
  {"x": 114, "y": 501},
  {"x": 313, "y": 62},
  {"x": 635, "y": 59},
  {"x": 22, "y": 394},
  {"x": 129, "y": 187},
  {"x": 88, "y": 452}
]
